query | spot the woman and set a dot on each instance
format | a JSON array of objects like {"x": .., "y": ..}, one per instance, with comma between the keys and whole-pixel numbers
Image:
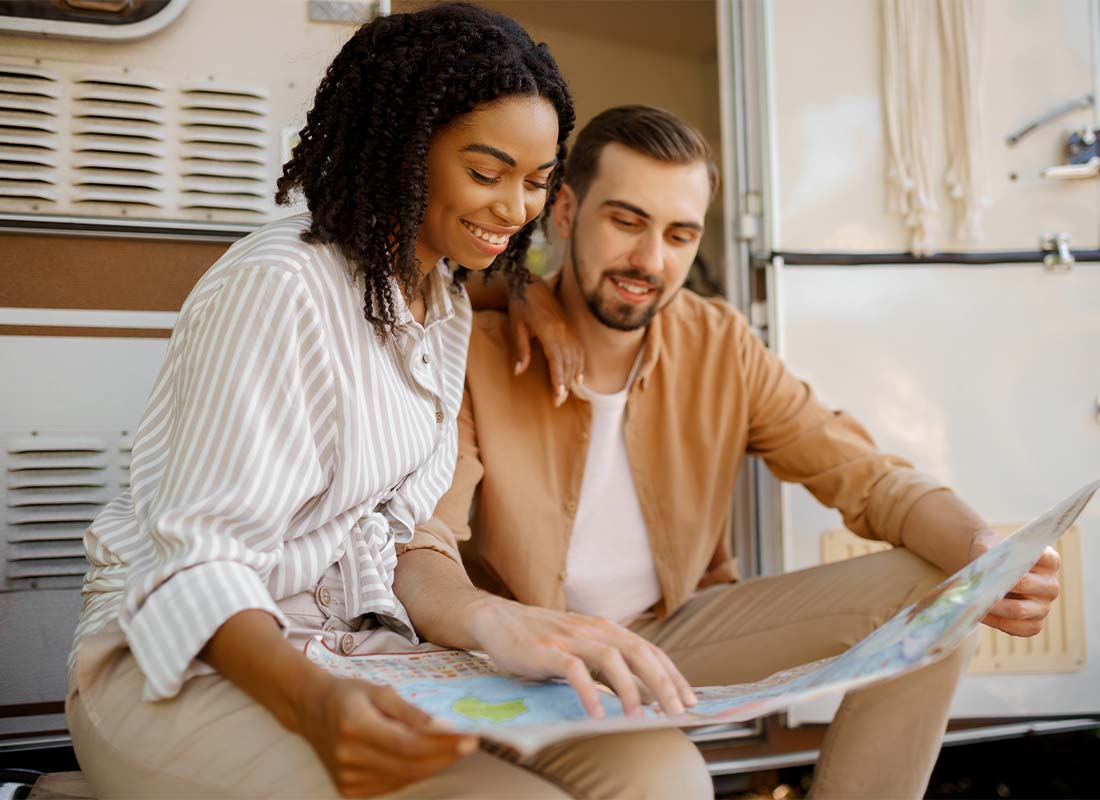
[{"x": 301, "y": 427}]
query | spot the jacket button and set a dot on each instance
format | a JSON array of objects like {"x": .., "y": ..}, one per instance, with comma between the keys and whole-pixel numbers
[
  {"x": 347, "y": 644},
  {"x": 324, "y": 596}
]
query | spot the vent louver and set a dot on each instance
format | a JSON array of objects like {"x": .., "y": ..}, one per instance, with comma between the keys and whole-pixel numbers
[
  {"x": 224, "y": 155},
  {"x": 86, "y": 140},
  {"x": 119, "y": 138},
  {"x": 29, "y": 142},
  {"x": 54, "y": 486}
]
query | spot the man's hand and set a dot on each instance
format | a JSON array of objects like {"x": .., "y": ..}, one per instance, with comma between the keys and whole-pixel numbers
[
  {"x": 370, "y": 740},
  {"x": 540, "y": 643},
  {"x": 540, "y": 315},
  {"x": 1024, "y": 609}
]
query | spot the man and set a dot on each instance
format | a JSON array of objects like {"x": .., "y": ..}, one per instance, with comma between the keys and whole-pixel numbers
[{"x": 599, "y": 524}]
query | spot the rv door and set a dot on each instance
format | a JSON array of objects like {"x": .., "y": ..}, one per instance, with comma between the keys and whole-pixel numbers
[{"x": 977, "y": 362}]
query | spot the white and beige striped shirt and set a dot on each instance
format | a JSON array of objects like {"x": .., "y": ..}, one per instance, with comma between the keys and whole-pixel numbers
[{"x": 281, "y": 436}]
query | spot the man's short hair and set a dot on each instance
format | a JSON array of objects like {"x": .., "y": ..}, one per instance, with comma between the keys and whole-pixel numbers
[{"x": 650, "y": 131}]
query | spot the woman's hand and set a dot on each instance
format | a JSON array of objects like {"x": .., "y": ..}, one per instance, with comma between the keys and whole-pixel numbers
[
  {"x": 1023, "y": 610},
  {"x": 540, "y": 315},
  {"x": 541, "y": 643},
  {"x": 370, "y": 740}
]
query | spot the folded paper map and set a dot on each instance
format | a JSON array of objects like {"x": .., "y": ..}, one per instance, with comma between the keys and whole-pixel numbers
[{"x": 525, "y": 716}]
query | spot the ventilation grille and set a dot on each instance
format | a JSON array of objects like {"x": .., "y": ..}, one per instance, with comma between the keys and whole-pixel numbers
[
  {"x": 119, "y": 141},
  {"x": 1061, "y": 645},
  {"x": 55, "y": 485},
  {"x": 116, "y": 142},
  {"x": 30, "y": 100},
  {"x": 224, "y": 155}
]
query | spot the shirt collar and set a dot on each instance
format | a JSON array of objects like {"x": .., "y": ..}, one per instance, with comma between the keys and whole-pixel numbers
[{"x": 439, "y": 307}]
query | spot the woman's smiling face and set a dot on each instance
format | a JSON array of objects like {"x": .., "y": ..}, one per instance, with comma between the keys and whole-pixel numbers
[{"x": 487, "y": 176}]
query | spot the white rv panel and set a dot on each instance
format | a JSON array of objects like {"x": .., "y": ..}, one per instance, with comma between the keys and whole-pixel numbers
[
  {"x": 830, "y": 148},
  {"x": 987, "y": 378}
]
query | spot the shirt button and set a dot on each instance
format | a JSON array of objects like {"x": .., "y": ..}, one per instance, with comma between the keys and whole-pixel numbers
[
  {"x": 561, "y": 577},
  {"x": 425, "y": 358},
  {"x": 347, "y": 644},
  {"x": 324, "y": 596},
  {"x": 438, "y": 416},
  {"x": 570, "y": 506}
]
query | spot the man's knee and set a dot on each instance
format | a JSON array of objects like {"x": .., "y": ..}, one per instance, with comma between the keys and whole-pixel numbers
[
  {"x": 652, "y": 764},
  {"x": 909, "y": 577}
]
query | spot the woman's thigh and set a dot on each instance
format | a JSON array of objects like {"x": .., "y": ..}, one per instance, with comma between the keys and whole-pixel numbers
[
  {"x": 749, "y": 630},
  {"x": 212, "y": 740}
]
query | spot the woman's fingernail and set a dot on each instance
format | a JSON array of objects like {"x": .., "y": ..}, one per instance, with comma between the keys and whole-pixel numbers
[
  {"x": 580, "y": 377},
  {"x": 517, "y": 368},
  {"x": 467, "y": 745},
  {"x": 559, "y": 398}
]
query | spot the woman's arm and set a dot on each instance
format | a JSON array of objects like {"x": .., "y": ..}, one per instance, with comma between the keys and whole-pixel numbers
[
  {"x": 537, "y": 314},
  {"x": 369, "y": 739}
]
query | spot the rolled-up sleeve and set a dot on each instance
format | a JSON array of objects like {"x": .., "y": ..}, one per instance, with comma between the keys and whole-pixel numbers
[
  {"x": 246, "y": 411},
  {"x": 826, "y": 451}
]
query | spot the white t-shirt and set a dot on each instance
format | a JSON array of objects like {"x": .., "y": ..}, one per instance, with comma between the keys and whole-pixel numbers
[{"x": 609, "y": 568}]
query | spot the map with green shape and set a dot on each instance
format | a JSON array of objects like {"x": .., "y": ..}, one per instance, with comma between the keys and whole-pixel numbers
[{"x": 472, "y": 708}]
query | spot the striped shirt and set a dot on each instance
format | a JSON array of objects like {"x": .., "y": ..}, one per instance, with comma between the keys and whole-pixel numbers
[{"x": 282, "y": 436}]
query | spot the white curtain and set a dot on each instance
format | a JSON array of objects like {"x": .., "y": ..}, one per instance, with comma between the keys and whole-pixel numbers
[{"x": 911, "y": 47}]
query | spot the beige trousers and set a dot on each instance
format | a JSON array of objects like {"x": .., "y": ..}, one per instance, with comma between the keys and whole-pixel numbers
[
  {"x": 213, "y": 741},
  {"x": 884, "y": 740}
]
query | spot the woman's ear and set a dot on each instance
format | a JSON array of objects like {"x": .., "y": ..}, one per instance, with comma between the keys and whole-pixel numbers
[{"x": 564, "y": 211}]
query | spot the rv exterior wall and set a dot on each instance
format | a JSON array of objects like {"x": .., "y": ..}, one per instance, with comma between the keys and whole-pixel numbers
[{"x": 830, "y": 126}]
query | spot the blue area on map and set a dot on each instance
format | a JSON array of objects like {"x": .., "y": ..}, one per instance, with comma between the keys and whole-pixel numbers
[{"x": 543, "y": 702}]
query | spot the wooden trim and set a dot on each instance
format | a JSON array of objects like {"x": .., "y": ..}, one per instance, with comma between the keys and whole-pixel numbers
[
  {"x": 104, "y": 333},
  {"x": 118, "y": 274}
]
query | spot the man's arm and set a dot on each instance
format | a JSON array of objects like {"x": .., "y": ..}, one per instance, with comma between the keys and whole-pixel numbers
[
  {"x": 943, "y": 529},
  {"x": 880, "y": 496}
]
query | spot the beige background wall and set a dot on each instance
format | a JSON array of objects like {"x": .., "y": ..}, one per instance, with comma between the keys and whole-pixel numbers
[
  {"x": 660, "y": 52},
  {"x": 612, "y": 52}
]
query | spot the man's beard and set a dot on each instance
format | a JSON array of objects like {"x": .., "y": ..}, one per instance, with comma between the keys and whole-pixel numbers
[{"x": 620, "y": 316}]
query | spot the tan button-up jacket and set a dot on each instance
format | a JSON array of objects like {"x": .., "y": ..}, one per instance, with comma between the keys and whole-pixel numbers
[{"x": 706, "y": 394}]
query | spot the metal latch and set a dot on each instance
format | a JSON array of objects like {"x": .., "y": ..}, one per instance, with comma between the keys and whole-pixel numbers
[{"x": 1058, "y": 256}]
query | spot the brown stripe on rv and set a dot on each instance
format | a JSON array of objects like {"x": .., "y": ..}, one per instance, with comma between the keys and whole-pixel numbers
[
  {"x": 85, "y": 331},
  {"x": 100, "y": 273}
]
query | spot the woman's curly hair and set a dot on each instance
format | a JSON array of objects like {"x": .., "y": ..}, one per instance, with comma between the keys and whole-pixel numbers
[{"x": 361, "y": 162}]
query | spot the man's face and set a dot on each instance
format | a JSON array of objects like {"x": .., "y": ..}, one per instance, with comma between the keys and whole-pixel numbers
[{"x": 635, "y": 234}]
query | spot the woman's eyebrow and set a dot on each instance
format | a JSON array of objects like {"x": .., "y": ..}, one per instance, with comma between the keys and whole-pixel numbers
[{"x": 500, "y": 155}]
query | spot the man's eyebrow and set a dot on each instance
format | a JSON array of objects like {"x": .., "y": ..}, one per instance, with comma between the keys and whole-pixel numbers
[
  {"x": 633, "y": 209},
  {"x": 500, "y": 155}
]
